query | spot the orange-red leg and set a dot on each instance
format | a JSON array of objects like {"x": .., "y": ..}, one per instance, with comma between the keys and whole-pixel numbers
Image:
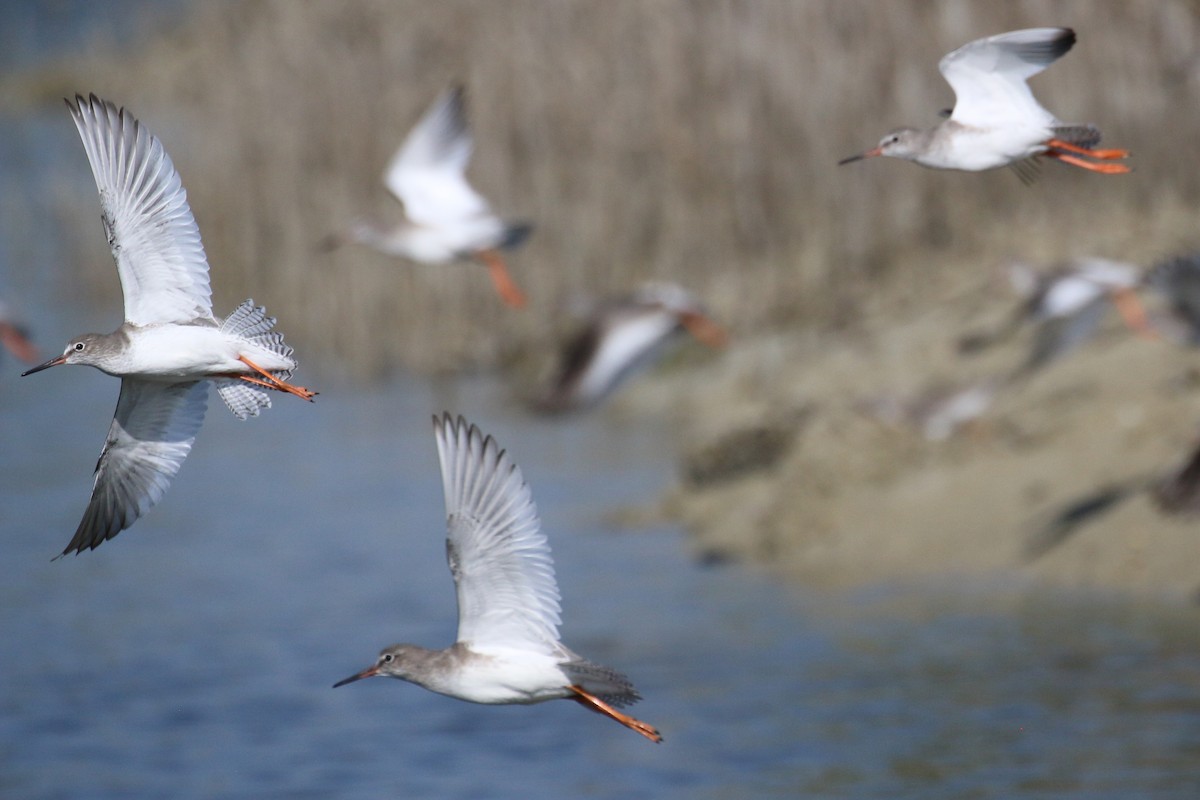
[
  {"x": 256, "y": 381},
  {"x": 1059, "y": 144},
  {"x": 272, "y": 382},
  {"x": 589, "y": 700},
  {"x": 501, "y": 279},
  {"x": 1107, "y": 169},
  {"x": 1131, "y": 310},
  {"x": 17, "y": 344}
]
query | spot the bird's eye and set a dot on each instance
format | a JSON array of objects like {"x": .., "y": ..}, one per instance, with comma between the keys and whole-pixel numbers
[
  {"x": 388, "y": 658},
  {"x": 79, "y": 347}
]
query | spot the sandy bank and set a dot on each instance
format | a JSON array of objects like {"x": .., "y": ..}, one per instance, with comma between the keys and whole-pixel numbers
[{"x": 787, "y": 463}]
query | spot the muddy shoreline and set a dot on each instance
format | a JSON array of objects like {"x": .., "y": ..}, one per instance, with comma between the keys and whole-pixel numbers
[{"x": 788, "y": 463}]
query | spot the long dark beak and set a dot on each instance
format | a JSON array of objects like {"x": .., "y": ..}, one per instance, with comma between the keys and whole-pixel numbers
[
  {"x": 869, "y": 154},
  {"x": 369, "y": 672},
  {"x": 54, "y": 362}
]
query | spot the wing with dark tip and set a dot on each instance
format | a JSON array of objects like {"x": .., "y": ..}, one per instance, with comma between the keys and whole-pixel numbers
[
  {"x": 150, "y": 436},
  {"x": 428, "y": 172},
  {"x": 989, "y": 75},
  {"x": 500, "y": 560},
  {"x": 150, "y": 227}
]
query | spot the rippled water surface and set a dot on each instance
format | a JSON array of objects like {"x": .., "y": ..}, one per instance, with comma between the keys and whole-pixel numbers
[{"x": 193, "y": 655}]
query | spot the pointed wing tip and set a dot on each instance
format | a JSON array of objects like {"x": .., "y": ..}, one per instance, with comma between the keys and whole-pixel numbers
[
  {"x": 447, "y": 426},
  {"x": 450, "y": 428},
  {"x": 1044, "y": 45},
  {"x": 462, "y": 442},
  {"x": 86, "y": 540},
  {"x": 1063, "y": 42},
  {"x": 456, "y": 99},
  {"x": 91, "y": 103}
]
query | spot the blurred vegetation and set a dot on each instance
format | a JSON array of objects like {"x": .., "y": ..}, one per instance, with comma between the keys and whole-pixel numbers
[{"x": 691, "y": 140}]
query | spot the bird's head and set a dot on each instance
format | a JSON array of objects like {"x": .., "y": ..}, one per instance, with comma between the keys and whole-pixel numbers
[
  {"x": 900, "y": 143},
  {"x": 393, "y": 662},
  {"x": 83, "y": 349}
]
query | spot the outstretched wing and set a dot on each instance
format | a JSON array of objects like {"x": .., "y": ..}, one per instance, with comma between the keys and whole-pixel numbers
[
  {"x": 989, "y": 75},
  {"x": 498, "y": 556},
  {"x": 150, "y": 436},
  {"x": 150, "y": 227},
  {"x": 428, "y": 172}
]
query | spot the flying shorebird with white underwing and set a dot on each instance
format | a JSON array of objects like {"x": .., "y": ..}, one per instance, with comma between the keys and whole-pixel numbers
[
  {"x": 1067, "y": 305},
  {"x": 170, "y": 345},
  {"x": 996, "y": 121},
  {"x": 621, "y": 336},
  {"x": 507, "y": 650},
  {"x": 445, "y": 219}
]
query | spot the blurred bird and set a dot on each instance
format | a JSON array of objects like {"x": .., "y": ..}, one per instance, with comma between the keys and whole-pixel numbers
[
  {"x": 937, "y": 412},
  {"x": 444, "y": 217},
  {"x": 1178, "y": 281},
  {"x": 507, "y": 650},
  {"x": 1067, "y": 305},
  {"x": 170, "y": 344},
  {"x": 1175, "y": 493},
  {"x": 996, "y": 121},
  {"x": 622, "y": 336},
  {"x": 14, "y": 337}
]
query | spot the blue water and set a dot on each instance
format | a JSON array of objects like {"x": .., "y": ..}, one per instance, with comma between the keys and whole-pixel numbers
[
  {"x": 33, "y": 32},
  {"x": 192, "y": 657}
]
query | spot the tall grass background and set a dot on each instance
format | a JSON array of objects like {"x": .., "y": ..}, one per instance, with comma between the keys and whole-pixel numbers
[{"x": 689, "y": 140}]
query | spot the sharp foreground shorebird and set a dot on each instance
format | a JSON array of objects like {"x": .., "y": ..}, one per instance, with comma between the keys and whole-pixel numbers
[
  {"x": 508, "y": 650},
  {"x": 996, "y": 121},
  {"x": 170, "y": 344},
  {"x": 444, "y": 217},
  {"x": 621, "y": 336}
]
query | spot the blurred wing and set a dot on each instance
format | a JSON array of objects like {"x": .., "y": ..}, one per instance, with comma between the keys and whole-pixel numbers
[
  {"x": 988, "y": 75},
  {"x": 150, "y": 436},
  {"x": 427, "y": 174},
  {"x": 628, "y": 340},
  {"x": 1178, "y": 280},
  {"x": 150, "y": 228},
  {"x": 498, "y": 556},
  {"x": 1060, "y": 335}
]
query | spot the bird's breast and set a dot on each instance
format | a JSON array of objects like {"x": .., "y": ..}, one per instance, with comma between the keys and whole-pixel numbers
[
  {"x": 497, "y": 679},
  {"x": 180, "y": 352}
]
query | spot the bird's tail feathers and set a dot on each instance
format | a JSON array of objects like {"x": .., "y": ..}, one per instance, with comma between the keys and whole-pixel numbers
[
  {"x": 515, "y": 235},
  {"x": 243, "y": 399},
  {"x": 252, "y": 323},
  {"x": 1086, "y": 136},
  {"x": 604, "y": 682}
]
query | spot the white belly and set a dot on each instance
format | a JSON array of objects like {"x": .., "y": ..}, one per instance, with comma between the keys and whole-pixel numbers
[
  {"x": 975, "y": 150},
  {"x": 503, "y": 678},
  {"x": 437, "y": 245},
  {"x": 179, "y": 352}
]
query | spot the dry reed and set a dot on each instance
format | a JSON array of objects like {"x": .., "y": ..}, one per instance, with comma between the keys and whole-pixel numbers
[{"x": 693, "y": 140}]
